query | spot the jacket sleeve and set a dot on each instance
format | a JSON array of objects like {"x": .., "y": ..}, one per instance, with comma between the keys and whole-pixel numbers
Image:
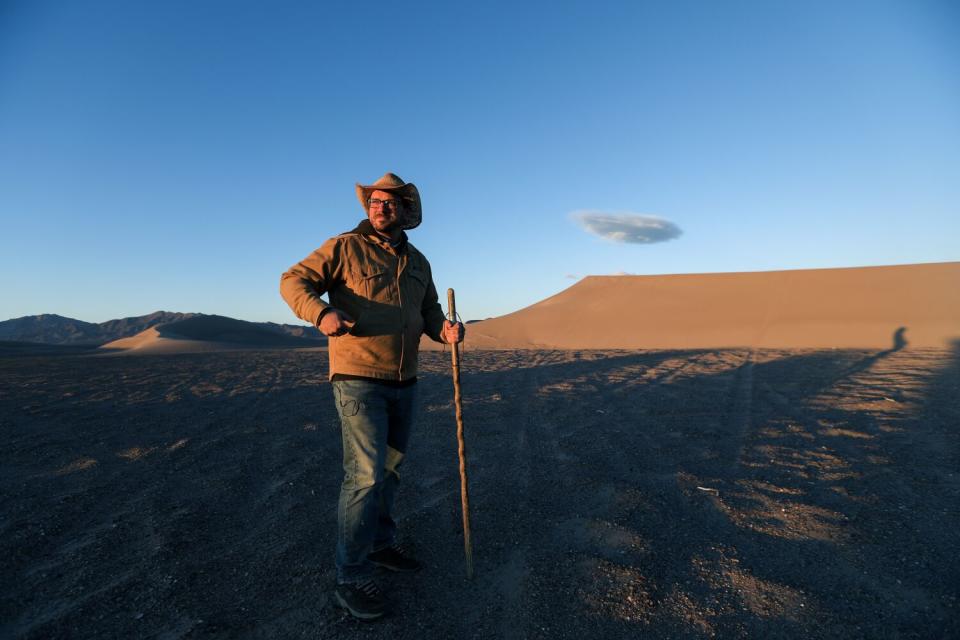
[
  {"x": 432, "y": 312},
  {"x": 302, "y": 284}
]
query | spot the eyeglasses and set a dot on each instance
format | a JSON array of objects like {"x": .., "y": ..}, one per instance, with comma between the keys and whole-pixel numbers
[{"x": 386, "y": 204}]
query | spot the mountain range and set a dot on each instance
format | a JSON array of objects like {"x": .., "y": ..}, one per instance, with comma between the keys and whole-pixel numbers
[{"x": 53, "y": 329}]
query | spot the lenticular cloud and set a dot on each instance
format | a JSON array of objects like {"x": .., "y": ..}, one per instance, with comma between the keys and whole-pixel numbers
[{"x": 630, "y": 228}]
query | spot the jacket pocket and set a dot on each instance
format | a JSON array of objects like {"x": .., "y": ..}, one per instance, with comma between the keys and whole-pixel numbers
[{"x": 371, "y": 285}]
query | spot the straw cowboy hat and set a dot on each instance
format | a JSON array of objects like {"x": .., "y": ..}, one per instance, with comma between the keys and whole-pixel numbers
[{"x": 392, "y": 183}]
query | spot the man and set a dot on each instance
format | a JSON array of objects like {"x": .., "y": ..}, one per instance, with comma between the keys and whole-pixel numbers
[{"x": 382, "y": 299}]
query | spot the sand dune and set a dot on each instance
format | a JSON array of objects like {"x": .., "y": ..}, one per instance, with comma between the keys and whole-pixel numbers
[
  {"x": 869, "y": 307},
  {"x": 203, "y": 333}
]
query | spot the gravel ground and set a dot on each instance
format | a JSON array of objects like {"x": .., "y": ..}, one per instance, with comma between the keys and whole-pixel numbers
[{"x": 663, "y": 494}]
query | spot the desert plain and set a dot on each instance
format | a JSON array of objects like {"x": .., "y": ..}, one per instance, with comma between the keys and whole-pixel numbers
[{"x": 768, "y": 488}]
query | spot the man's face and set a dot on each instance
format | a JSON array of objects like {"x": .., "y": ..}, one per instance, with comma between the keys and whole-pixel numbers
[{"x": 385, "y": 218}]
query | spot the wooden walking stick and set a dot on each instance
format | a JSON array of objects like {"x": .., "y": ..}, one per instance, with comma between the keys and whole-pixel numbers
[{"x": 461, "y": 448}]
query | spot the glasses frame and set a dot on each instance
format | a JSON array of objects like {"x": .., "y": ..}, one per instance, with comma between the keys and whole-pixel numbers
[{"x": 392, "y": 204}]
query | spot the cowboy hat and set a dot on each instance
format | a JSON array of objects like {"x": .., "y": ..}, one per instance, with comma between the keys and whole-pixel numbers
[{"x": 392, "y": 183}]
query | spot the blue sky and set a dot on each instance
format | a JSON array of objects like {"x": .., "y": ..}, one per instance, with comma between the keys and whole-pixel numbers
[{"x": 181, "y": 155}]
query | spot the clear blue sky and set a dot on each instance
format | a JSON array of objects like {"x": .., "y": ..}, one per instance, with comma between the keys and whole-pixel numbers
[{"x": 181, "y": 155}]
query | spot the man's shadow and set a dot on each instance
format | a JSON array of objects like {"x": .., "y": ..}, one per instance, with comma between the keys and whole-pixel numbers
[{"x": 899, "y": 341}]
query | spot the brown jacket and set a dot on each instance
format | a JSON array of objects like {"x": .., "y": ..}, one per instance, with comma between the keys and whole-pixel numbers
[{"x": 389, "y": 292}]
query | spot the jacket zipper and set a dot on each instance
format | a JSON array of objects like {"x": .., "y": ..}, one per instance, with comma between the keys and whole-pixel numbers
[{"x": 403, "y": 328}]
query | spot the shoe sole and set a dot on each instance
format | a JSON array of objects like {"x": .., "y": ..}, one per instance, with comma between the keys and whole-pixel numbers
[{"x": 356, "y": 614}]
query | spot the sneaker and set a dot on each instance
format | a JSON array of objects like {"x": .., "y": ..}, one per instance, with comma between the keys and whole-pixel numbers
[
  {"x": 363, "y": 600},
  {"x": 394, "y": 558}
]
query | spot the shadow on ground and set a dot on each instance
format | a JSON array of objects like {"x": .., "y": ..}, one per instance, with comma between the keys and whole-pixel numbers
[{"x": 669, "y": 494}]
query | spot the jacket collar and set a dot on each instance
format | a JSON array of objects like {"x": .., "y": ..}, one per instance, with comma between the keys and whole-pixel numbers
[{"x": 366, "y": 229}]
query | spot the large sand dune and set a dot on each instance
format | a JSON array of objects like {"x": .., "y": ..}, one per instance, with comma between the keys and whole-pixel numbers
[
  {"x": 205, "y": 333},
  {"x": 869, "y": 307}
]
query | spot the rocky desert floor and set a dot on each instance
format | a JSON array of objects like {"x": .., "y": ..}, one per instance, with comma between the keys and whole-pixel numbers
[{"x": 614, "y": 494}]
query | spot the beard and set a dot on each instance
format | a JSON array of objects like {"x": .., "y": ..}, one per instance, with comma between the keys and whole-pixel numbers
[{"x": 385, "y": 223}]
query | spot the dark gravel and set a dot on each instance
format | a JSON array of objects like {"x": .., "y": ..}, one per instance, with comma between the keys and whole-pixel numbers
[{"x": 686, "y": 494}]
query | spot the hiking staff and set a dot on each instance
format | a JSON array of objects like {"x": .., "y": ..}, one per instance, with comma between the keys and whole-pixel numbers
[{"x": 461, "y": 448}]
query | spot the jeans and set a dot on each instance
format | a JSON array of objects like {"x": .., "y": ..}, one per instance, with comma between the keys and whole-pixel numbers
[{"x": 375, "y": 424}]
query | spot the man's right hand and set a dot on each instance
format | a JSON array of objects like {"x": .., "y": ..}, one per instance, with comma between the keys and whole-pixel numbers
[{"x": 335, "y": 323}]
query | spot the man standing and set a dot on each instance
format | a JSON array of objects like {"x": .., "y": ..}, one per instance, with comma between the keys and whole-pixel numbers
[{"x": 382, "y": 299}]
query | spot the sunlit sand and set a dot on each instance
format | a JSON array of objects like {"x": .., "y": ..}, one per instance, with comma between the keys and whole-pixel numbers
[{"x": 818, "y": 308}]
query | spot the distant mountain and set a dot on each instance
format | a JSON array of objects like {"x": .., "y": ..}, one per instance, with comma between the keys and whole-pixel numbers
[
  {"x": 54, "y": 329},
  {"x": 50, "y": 328},
  {"x": 297, "y": 331}
]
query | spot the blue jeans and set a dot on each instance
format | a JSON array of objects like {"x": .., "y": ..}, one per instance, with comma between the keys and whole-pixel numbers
[{"x": 375, "y": 424}]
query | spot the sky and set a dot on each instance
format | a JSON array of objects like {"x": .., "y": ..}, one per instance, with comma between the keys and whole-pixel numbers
[{"x": 181, "y": 155}]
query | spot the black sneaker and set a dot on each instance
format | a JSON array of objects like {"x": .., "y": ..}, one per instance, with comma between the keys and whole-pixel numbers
[
  {"x": 394, "y": 558},
  {"x": 363, "y": 600}
]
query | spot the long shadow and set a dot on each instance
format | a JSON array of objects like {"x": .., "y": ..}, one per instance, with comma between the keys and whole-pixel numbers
[
  {"x": 816, "y": 505},
  {"x": 684, "y": 513}
]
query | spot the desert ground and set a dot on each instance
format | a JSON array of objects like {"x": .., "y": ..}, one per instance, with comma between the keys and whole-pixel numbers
[{"x": 713, "y": 493}]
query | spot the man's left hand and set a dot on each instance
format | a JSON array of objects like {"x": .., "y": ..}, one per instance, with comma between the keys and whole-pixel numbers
[{"x": 453, "y": 333}]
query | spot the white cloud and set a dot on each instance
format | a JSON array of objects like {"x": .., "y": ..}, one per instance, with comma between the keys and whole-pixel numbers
[{"x": 632, "y": 228}]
